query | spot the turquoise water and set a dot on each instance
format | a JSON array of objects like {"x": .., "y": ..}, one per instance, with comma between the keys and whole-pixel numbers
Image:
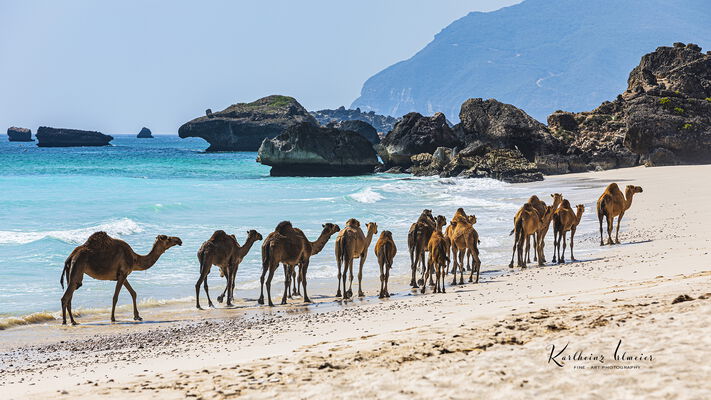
[{"x": 51, "y": 199}]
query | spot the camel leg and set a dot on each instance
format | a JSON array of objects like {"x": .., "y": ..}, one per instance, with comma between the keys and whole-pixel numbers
[
  {"x": 513, "y": 251},
  {"x": 477, "y": 266},
  {"x": 231, "y": 286},
  {"x": 454, "y": 264},
  {"x": 67, "y": 304},
  {"x": 294, "y": 275},
  {"x": 535, "y": 253},
  {"x": 610, "y": 224},
  {"x": 302, "y": 274},
  {"x": 132, "y": 292},
  {"x": 617, "y": 232},
  {"x": 69, "y": 308},
  {"x": 382, "y": 279},
  {"x": 572, "y": 235},
  {"x": 527, "y": 254},
  {"x": 338, "y": 262},
  {"x": 542, "y": 243},
  {"x": 424, "y": 274},
  {"x": 360, "y": 272},
  {"x": 207, "y": 293},
  {"x": 599, "y": 218},
  {"x": 197, "y": 290},
  {"x": 287, "y": 283},
  {"x": 413, "y": 267},
  {"x": 119, "y": 283},
  {"x": 261, "y": 286},
  {"x": 555, "y": 245},
  {"x": 349, "y": 266},
  {"x": 521, "y": 255},
  {"x": 269, "y": 284},
  {"x": 561, "y": 257},
  {"x": 462, "y": 253},
  {"x": 387, "y": 277}
]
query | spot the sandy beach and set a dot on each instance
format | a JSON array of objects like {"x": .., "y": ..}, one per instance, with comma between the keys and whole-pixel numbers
[{"x": 618, "y": 309}]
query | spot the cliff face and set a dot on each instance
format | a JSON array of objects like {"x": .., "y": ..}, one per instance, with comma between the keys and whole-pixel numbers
[
  {"x": 308, "y": 150},
  {"x": 60, "y": 137},
  {"x": 243, "y": 126},
  {"x": 16, "y": 134}
]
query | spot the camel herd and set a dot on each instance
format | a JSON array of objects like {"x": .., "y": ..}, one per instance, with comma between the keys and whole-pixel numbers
[{"x": 434, "y": 250}]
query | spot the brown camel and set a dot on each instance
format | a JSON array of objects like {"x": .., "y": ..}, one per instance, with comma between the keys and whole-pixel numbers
[
  {"x": 449, "y": 234},
  {"x": 289, "y": 246},
  {"x": 465, "y": 241},
  {"x": 417, "y": 239},
  {"x": 224, "y": 251},
  {"x": 438, "y": 256},
  {"x": 613, "y": 204},
  {"x": 385, "y": 251},
  {"x": 528, "y": 222},
  {"x": 351, "y": 243},
  {"x": 107, "y": 259},
  {"x": 564, "y": 220},
  {"x": 540, "y": 207}
]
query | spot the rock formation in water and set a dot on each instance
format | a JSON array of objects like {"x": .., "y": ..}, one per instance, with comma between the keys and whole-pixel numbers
[
  {"x": 145, "y": 133},
  {"x": 16, "y": 134},
  {"x": 361, "y": 127},
  {"x": 382, "y": 123},
  {"x": 60, "y": 137},
  {"x": 306, "y": 149},
  {"x": 415, "y": 134},
  {"x": 244, "y": 126}
]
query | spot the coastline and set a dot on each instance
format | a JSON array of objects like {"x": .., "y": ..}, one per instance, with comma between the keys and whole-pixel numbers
[{"x": 421, "y": 345}]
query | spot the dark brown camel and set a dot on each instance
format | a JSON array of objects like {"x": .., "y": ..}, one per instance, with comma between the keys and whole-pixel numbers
[
  {"x": 385, "y": 251},
  {"x": 417, "y": 239}
]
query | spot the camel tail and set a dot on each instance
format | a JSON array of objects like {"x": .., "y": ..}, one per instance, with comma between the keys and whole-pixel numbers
[
  {"x": 512, "y": 231},
  {"x": 65, "y": 271},
  {"x": 601, "y": 208}
]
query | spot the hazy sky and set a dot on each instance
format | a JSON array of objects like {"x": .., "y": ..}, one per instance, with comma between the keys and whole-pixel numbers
[{"x": 116, "y": 66}]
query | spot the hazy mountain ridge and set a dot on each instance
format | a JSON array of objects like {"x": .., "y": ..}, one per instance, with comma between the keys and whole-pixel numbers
[{"x": 540, "y": 55}]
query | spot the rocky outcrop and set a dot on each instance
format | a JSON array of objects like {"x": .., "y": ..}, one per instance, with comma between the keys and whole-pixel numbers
[
  {"x": 361, "y": 127},
  {"x": 16, "y": 134},
  {"x": 477, "y": 161},
  {"x": 60, "y": 137},
  {"x": 309, "y": 150},
  {"x": 244, "y": 126},
  {"x": 415, "y": 134},
  {"x": 382, "y": 123},
  {"x": 663, "y": 118},
  {"x": 145, "y": 133}
]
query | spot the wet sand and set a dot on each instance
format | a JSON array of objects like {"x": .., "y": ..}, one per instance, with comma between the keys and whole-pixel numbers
[{"x": 491, "y": 339}]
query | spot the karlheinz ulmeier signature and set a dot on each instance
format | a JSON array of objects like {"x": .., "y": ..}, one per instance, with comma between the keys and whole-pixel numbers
[{"x": 560, "y": 356}]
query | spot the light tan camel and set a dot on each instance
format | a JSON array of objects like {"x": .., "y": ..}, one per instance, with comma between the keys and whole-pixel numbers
[
  {"x": 564, "y": 220},
  {"x": 385, "y": 251},
  {"x": 540, "y": 206},
  {"x": 107, "y": 259},
  {"x": 224, "y": 251},
  {"x": 351, "y": 243},
  {"x": 438, "y": 256},
  {"x": 449, "y": 234},
  {"x": 465, "y": 241},
  {"x": 417, "y": 239},
  {"x": 289, "y": 245},
  {"x": 613, "y": 204},
  {"x": 528, "y": 222}
]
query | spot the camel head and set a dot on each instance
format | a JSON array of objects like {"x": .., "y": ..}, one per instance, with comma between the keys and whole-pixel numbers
[
  {"x": 372, "y": 228},
  {"x": 166, "y": 242},
  {"x": 254, "y": 235},
  {"x": 427, "y": 213},
  {"x": 557, "y": 199},
  {"x": 441, "y": 221},
  {"x": 471, "y": 219},
  {"x": 633, "y": 189},
  {"x": 580, "y": 208},
  {"x": 353, "y": 223},
  {"x": 330, "y": 229}
]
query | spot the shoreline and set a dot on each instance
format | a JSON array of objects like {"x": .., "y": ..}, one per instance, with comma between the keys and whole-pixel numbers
[{"x": 324, "y": 350}]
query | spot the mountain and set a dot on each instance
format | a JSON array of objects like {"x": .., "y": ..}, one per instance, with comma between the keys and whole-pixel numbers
[{"x": 539, "y": 55}]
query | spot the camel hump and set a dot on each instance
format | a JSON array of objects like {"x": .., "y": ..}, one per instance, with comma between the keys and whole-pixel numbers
[
  {"x": 98, "y": 239},
  {"x": 613, "y": 187},
  {"x": 218, "y": 234},
  {"x": 283, "y": 227},
  {"x": 565, "y": 204},
  {"x": 353, "y": 223}
]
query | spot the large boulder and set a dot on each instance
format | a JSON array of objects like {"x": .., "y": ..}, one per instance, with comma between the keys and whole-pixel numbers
[
  {"x": 415, "y": 134},
  {"x": 60, "y": 137},
  {"x": 16, "y": 134},
  {"x": 504, "y": 126},
  {"x": 309, "y": 150},
  {"x": 244, "y": 126},
  {"x": 361, "y": 127},
  {"x": 145, "y": 133}
]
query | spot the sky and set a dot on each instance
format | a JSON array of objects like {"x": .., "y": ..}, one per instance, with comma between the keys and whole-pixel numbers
[{"x": 115, "y": 66}]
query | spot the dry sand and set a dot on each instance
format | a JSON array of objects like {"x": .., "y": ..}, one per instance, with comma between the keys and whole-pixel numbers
[{"x": 490, "y": 340}]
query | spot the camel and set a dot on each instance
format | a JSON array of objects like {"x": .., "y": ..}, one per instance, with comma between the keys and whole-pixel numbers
[
  {"x": 528, "y": 222},
  {"x": 417, "y": 239},
  {"x": 224, "y": 251},
  {"x": 540, "y": 207},
  {"x": 437, "y": 262},
  {"x": 564, "y": 220},
  {"x": 385, "y": 251},
  {"x": 613, "y": 204},
  {"x": 464, "y": 241},
  {"x": 289, "y": 246},
  {"x": 351, "y": 243},
  {"x": 107, "y": 259}
]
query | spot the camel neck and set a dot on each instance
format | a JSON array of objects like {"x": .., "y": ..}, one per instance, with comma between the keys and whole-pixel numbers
[
  {"x": 628, "y": 199},
  {"x": 368, "y": 238},
  {"x": 246, "y": 247},
  {"x": 142, "y": 263},
  {"x": 578, "y": 217},
  {"x": 319, "y": 244}
]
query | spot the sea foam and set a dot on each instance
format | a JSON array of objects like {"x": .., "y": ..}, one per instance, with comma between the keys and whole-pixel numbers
[
  {"x": 118, "y": 227},
  {"x": 367, "y": 195}
]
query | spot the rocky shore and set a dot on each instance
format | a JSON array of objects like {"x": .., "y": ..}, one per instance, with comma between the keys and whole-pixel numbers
[
  {"x": 244, "y": 126},
  {"x": 60, "y": 137},
  {"x": 382, "y": 123},
  {"x": 15, "y": 134}
]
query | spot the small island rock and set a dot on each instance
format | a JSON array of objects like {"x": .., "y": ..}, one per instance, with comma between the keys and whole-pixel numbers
[
  {"x": 60, "y": 137},
  {"x": 16, "y": 134}
]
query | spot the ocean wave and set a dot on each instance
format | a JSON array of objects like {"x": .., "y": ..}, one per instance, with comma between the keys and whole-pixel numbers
[
  {"x": 118, "y": 227},
  {"x": 367, "y": 195},
  {"x": 34, "y": 318}
]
